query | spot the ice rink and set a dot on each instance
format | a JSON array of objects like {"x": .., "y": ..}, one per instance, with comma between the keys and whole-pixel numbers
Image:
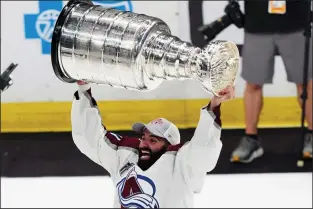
[{"x": 220, "y": 191}]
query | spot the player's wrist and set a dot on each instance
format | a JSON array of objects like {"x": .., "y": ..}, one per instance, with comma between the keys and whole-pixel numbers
[
  {"x": 83, "y": 86},
  {"x": 213, "y": 104}
]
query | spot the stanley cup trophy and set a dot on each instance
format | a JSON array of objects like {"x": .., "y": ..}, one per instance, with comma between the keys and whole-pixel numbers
[{"x": 133, "y": 51}]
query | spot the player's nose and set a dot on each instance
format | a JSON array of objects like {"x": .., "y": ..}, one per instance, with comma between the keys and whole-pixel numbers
[{"x": 143, "y": 143}]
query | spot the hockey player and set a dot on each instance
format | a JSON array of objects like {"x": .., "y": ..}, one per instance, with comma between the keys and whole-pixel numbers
[{"x": 156, "y": 170}]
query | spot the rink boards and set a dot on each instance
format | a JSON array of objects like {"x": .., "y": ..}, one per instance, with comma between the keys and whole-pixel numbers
[
  {"x": 121, "y": 114},
  {"x": 39, "y": 101}
]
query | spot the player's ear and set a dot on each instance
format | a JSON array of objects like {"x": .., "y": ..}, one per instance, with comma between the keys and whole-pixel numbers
[{"x": 166, "y": 143}]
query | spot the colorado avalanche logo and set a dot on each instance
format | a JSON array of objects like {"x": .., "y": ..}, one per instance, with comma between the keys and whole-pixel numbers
[{"x": 132, "y": 195}]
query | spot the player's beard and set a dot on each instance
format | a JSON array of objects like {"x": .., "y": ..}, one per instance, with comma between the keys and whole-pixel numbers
[{"x": 154, "y": 156}]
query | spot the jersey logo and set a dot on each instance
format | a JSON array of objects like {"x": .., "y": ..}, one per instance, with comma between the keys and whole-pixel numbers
[{"x": 137, "y": 191}]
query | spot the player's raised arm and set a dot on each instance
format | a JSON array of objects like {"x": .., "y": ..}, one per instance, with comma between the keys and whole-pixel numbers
[
  {"x": 201, "y": 154},
  {"x": 88, "y": 132}
]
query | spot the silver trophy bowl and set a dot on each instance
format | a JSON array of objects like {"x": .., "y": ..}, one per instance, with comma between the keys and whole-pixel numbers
[{"x": 133, "y": 51}]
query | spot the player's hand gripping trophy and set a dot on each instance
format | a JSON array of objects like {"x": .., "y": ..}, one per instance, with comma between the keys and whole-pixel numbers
[{"x": 134, "y": 51}]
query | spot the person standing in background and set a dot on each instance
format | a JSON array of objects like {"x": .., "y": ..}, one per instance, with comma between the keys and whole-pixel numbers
[{"x": 271, "y": 25}]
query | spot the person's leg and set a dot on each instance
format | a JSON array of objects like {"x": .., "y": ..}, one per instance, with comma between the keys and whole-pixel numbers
[
  {"x": 253, "y": 103},
  {"x": 291, "y": 47},
  {"x": 308, "y": 104},
  {"x": 308, "y": 140},
  {"x": 257, "y": 69}
]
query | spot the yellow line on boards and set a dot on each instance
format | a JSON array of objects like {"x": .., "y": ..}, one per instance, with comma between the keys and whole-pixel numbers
[{"x": 120, "y": 115}]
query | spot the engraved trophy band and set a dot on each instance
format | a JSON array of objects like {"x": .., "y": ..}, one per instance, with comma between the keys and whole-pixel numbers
[{"x": 134, "y": 51}]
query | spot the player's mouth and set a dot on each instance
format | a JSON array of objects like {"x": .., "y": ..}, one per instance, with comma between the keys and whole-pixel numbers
[{"x": 145, "y": 155}]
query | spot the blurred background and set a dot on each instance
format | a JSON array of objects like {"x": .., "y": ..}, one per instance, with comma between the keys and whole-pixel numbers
[{"x": 41, "y": 167}]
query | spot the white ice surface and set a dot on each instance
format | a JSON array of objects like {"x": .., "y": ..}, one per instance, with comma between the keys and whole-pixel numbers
[{"x": 220, "y": 191}]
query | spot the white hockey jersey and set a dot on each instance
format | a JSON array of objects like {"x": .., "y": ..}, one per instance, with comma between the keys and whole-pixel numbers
[{"x": 170, "y": 182}]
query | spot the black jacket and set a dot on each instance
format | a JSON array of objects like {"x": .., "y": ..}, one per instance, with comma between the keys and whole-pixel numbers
[{"x": 259, "y": 20}]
